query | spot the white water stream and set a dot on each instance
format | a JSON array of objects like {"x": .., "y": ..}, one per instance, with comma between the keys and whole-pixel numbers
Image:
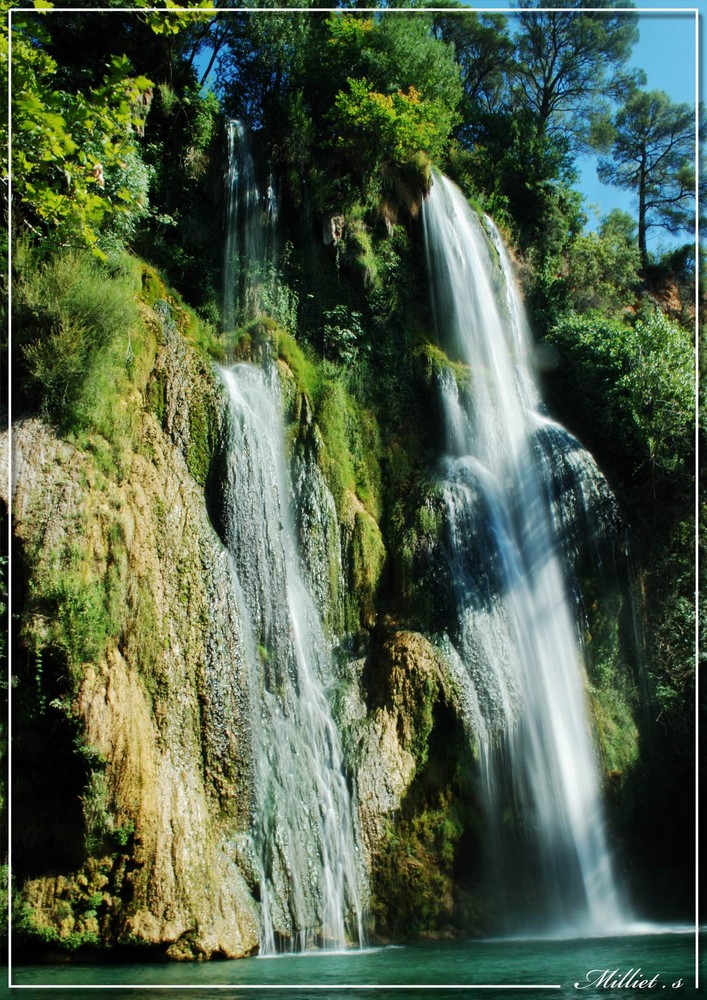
[
  {"x": 516, "y": 640},
  {"x": 303, "y": 835},
  {"x": 250, "y": 247}
]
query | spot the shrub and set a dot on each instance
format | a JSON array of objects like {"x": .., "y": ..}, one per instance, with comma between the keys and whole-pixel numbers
[{"x": 68, "y": 310}]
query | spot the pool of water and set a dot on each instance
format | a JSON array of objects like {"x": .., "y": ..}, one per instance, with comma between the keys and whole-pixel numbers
[{"x": 663, "y": 959}]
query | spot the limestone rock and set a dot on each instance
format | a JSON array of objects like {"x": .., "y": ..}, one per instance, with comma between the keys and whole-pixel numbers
[
  {"x": 409, "y": 673},
  {"x": 165, "y": 702}
]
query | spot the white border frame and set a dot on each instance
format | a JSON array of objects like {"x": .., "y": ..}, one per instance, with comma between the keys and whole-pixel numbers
[{"x": 314, "y": 10}]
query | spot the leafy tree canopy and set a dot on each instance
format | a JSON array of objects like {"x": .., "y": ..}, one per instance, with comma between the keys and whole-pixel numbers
[
  {"x": 567, "y": 62},
  {"x": 297, "y": 76},
  {"x": 484, "y": 51},
  {"x": 72, "y": 152}
]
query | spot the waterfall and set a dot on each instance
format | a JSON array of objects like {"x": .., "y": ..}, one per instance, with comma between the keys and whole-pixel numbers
[
  {"x": 515, "y": 639},
  {"x": 250, "y": 249},
  {"x": 303, "y": 840}
]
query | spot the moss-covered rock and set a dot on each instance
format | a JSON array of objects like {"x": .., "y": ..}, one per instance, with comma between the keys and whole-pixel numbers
[
  {"x": 423, "y": 583},
  {"x": 613, "y": 692},
  {"x": 185, "y": 395},
  {"x": 130, "y": 673},
  {"x": 414, "y": 787}
]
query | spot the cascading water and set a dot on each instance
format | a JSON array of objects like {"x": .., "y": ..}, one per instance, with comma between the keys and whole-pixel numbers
[
  {"x": 250, "y": 250},
  {"x": 303, "y": 838},
  {"x": 515, "y": 642},
  {"x": 242, "y": 248}
]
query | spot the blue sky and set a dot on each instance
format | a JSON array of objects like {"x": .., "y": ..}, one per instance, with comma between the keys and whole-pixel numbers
[{"x": 666, "y": 51}]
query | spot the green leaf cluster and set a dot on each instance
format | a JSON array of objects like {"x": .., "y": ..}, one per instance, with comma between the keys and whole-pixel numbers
[
  {"x": 73, "y": 155},
  {"x": 635, "y": 383},
  {"x": 378, "y": 127}
]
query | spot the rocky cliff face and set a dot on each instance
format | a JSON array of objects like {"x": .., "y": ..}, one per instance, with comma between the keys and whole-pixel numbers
[
  {"x": 134, "y": 708},
  {"x": 129, "y": 667},
  {"x": 156, "y": 694}
]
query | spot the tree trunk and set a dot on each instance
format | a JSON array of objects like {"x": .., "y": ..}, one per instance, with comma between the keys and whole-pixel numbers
[{"x": 643, "y": 249}]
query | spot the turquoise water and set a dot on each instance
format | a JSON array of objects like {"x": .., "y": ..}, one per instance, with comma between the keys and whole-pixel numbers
[{"x": 498, "y": 968}]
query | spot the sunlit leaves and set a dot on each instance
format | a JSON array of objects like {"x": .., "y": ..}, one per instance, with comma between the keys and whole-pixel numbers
[
  {"x": 178, "y": 17},
  {"x": 389, "y": 126},
  {"x": 641, "y": 381},
  {"x": 66, "y": 146}
]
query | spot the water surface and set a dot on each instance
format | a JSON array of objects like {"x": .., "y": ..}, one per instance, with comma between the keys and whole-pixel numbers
[{"x": 514, "y": 968}]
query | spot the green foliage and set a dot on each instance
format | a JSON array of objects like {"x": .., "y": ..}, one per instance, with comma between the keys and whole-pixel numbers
[
  {"x": 568, "y": 64},
  {"x": 401, "y": 93},
  {"x": 30, "y": 929},
  {"x": 393, "y": 53},
  {"x": 341, "y": 96},
  {"x": 302, "y": 367},
  {"x": 633, "y": 385},
  {"x": 629, "y": 390},
  {"x": 81, "y": 343},
  {"x": 484, "y": 51},
  {"x": 203, "y": 436},
  {"x": 349, "y": 431},
  {"x": 375, "y": 127},
  {"x": 436, "y": 363},
  {"x": 343, "y": 335},
  {"x": 75, "y": 164},
  {"x": 525, "y": 173},
  {"x": 613, "y": 694},
  {"x": 348, "y": 458},
  {"x": 603, "y": 267},
  {"x": 367, "y": 556},
  {"x": 80, "y": 616},
  {"x": 96, "y": 810}
]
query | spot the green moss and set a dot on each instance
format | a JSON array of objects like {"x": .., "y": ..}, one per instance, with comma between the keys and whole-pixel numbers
[
  {"x": 361, "y": 250},
  {"x": 612, "y": 690},
  {"x": 616, "y": 729},
  {"x": 153, "y": 287},
  {"x": 417, "y": 537},
  {"x": 353, "y": 449},
  {"x": 84, "y": 349},
  {"x": 156, "y": 396},
  {"x": 75, "y": 919},
  {"x": 303, "y": 368},
  {"x": 435, "y": 363},
  {"x": 412, "y": 876},
  {"x": 31, "y": 930},
  {"x": 367, "y": 561},
  {"x": 203, "y": 436},
  {"x": 333, "y": 420},
  {"x": 423, "y": 722}
]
